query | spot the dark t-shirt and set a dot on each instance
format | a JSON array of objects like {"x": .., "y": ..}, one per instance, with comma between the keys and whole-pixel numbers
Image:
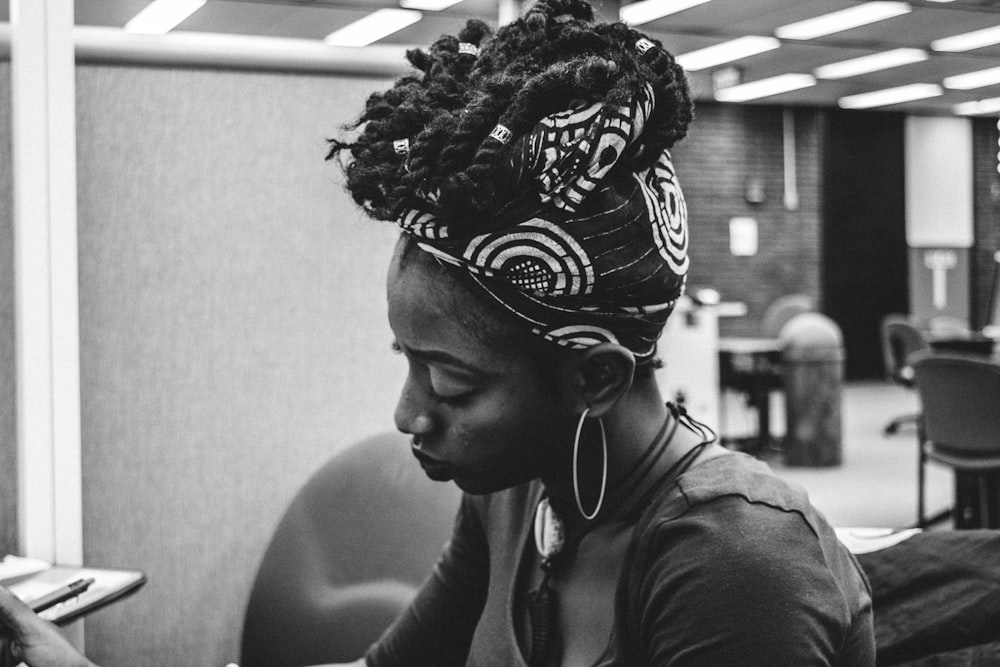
[{"x": 728, "y": 566}]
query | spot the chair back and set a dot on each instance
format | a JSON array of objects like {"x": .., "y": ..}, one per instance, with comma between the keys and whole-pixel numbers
[
  {"x": 347, "y": 556},
  {"x": 960, "y": 403},
  {"x": 781, "y": 311},
  {"x": 900, "y": 340}
]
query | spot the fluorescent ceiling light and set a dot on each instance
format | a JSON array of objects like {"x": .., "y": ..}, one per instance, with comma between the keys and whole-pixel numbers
[
  {"x": 845, "y": 19},
  {"x": 977, "y": 108},
  {"x": 968, "y": 40},
  {"x": 734, "y": 49},
  {"x": 645, "y": 11},
  {"x": 765, "y": 87},
  {"x": 970, "y": 80},
  {"x": 887, "y": 96},
  {"x": 872, "y": 63},
  {"x": 161, "y": 16},
  {"x": 428, "y": 5},
  {"x": 373, "y": 27}
]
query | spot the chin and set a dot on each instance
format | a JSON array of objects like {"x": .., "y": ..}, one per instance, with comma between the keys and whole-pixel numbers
[
  {"x": 480, "y": 487},
  {"x": 438, "y": 476},
  {"x": 472, "y": 487}
]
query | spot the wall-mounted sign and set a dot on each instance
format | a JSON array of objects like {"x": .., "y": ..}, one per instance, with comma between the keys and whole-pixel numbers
[
  {"x": 938, "y": 170},
  {"x": 940, "y": 262},
  {"x": 939, "y": 282},
  {"x": 743, "y": 236}
]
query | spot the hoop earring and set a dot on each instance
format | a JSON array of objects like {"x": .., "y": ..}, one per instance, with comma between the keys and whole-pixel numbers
[{"x": 576, "y": 467}]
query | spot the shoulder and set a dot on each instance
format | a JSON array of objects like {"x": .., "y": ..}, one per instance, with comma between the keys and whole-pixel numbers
[
  {"x": 732, "y": 511},
  {"x": 733, "y": 544},
  {"x": 730, "y": 518},
  {"x": 739, "y": 475},
  {"x": 735, "y": 497}
]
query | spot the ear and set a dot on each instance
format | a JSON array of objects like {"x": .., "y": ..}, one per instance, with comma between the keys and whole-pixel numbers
[{"x": 603, "y": 375}]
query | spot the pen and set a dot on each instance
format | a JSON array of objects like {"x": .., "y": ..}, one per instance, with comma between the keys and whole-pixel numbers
[{"x": 61, "y": 594}]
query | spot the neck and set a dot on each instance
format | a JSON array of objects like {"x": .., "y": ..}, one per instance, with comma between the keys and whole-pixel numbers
[{"x": 631, "y": 427}]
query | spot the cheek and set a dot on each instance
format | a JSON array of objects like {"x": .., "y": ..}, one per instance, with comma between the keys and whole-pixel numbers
[
  {"x": 509, "y": 428},
  {"x": 467, "y": 434}
]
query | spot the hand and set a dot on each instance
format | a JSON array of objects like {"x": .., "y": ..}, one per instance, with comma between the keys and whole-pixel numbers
[{"x": 24, "y": 637}]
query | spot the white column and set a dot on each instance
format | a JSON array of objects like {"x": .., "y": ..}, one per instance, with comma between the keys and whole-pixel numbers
[
  {"x": 46, "y": 284},
  {"x": 508, "y": 10}
]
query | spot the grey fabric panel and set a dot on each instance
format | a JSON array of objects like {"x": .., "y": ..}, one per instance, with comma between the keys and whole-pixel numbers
[
  {"x": 233, "y": 335},
  {"x": 8, "y": 370}
]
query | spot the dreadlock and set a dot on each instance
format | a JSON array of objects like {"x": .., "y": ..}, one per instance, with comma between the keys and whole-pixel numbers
[{"x": 539, "y": 64}]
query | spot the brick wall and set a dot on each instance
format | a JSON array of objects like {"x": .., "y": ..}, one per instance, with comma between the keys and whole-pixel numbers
[
  {"x": 728, "y": 145},
  {"x": 986, "y": 215}
]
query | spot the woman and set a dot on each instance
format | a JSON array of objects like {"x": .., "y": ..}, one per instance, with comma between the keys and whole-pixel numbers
[{"x": 544, "y": 245}]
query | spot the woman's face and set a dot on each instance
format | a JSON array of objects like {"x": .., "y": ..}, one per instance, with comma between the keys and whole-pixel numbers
[{"x": 487, "y": 420}]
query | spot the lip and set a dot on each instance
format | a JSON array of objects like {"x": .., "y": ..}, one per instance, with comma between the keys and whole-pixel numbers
[{"x": 437, "y": 470}]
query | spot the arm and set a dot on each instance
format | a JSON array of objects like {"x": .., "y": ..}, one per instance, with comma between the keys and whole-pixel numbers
[
  {"x": 437, "y": 628},
  {"x": 24, "y": 637}
]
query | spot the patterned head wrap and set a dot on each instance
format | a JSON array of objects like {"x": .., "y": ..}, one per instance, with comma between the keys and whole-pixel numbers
[{"x": 590, "y": 253}]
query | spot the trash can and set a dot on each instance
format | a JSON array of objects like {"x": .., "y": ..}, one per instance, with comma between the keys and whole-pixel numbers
[{"x": 813, "y": 373}]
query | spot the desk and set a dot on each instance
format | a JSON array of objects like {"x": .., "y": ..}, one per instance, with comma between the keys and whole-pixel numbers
[
  {"x": 749, "y": 364},
  {"x": 974, "y": 344}
]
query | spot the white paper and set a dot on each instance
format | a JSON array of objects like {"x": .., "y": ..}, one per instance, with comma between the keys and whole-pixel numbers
[
  {"x": 13, "y": 567},
  {"x": 866, "y": 540}
]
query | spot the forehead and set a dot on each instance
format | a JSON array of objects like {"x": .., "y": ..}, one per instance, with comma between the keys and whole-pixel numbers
[{"x": 430, "y": 310}]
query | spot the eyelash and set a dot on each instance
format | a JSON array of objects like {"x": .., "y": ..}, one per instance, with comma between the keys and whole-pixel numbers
[{"x": 452, "y": 401}]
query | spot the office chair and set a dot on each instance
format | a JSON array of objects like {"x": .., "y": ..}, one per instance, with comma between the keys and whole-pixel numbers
[
  {"x": 960, "y": 428},
  {"x": 347, "y": 556},
  {"x": 781, "y": 311},
  {"x": 900, "y": 340}
]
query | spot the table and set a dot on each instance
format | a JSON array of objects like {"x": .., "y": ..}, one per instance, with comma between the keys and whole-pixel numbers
[
  {"x": 750, "y": 364},
  {"x": 973, "y": 343}
]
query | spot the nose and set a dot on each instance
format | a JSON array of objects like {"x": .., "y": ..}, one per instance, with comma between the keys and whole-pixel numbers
[{"x": 411, "y": 415}]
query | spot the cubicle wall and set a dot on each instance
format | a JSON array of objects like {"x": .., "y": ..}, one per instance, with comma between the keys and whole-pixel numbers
[
  {"x": 232, "y": 334},
  {"x": 8, "y": 371}
]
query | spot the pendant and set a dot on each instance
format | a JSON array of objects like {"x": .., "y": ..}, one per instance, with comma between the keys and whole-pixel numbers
[{"x": 550, "y": 531}]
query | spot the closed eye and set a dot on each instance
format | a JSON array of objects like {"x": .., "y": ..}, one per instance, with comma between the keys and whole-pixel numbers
[{"x": 453, "y": 400}]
